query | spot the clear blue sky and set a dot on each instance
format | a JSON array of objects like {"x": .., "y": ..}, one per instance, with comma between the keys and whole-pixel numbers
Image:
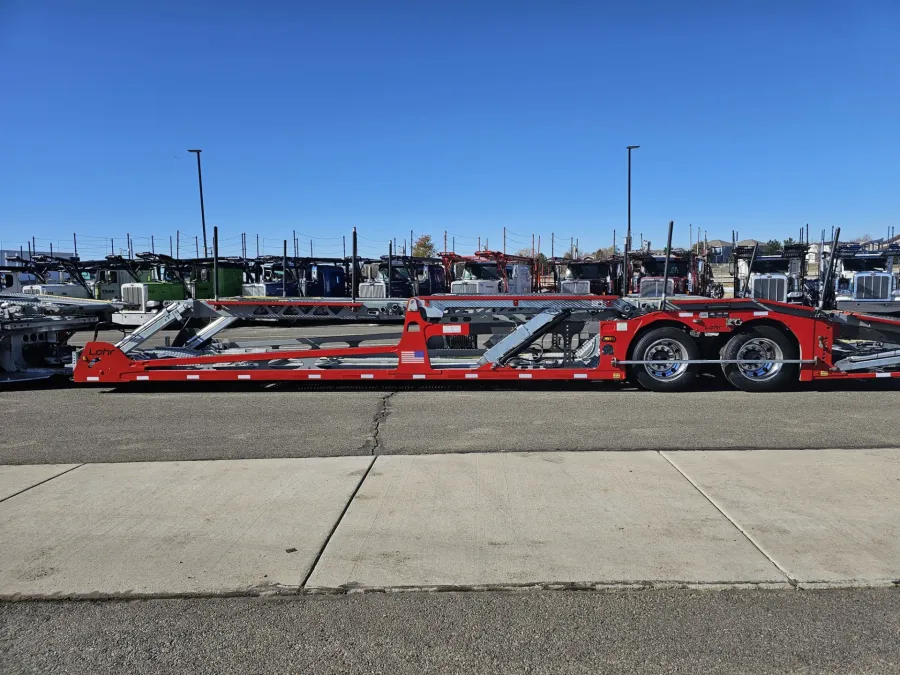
[{"x": 465, "y": 116}]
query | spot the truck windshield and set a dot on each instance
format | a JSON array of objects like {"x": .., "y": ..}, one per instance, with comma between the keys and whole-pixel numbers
[
  {"x": 481, "y": 271},
  {"x": 587, "y": 271}
]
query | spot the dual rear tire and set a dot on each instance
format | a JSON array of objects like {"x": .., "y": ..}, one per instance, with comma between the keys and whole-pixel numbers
[{"x": 762, "y": 349}]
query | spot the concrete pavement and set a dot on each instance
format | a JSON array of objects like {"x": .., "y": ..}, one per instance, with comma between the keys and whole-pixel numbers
[
  {"x": 62, "y": 426},
  {"x": 643, "y": 519},
  {"x": 173, "y": 528},
  {"x": 533, "y": 518}
]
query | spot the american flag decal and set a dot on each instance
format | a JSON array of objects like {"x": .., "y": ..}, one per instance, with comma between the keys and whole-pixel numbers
[{"x": 412, "y": 357}]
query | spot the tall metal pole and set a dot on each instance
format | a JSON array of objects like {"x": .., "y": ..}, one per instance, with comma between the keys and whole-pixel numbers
[
  {"x": 202, "y": 211},
  {"x": 177, "y": 244},
  {"x": 411, "y": 243},
  {"x": 284, "y": 271},
  {"x": 552, "y": 244},
  {"x": 171, "y": 250},
  {"x": 197, "y": 247},
  {"x": 390, "y": 269},
  {"x": 627, "y": 271},
  {"x": 353, "y": 267},
  {"x": 445, "y": 240},
  {"x": 311, "y": 249},
  {"x": 504, "y": 241},
  {"x": 344, "y": 241},
  {"x": 75, "y": 242},
  {"x": 216, "y": 262},
  {"x": 662, "y": 300},
  {"x": 152, "y": 245}
]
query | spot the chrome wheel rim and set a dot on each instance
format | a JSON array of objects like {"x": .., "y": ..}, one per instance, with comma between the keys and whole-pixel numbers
[
  {"x": 760, "y": 354},
  {"x": 663, "y": 353}
]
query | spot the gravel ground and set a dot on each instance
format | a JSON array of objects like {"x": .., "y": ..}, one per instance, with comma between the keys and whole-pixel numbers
[{"x": 467, "y": 633}]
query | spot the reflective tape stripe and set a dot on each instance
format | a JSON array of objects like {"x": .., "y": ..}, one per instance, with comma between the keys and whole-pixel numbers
[
  {"x": 471, "y": 376},
  {"x": 243, "y": 377},
  {"x": 193, "y": 377},
  {"x": 580, "y": 376},
  {"x": 366, "y": 376},
  {"x": 418, "y": 377},
  {"x": 143, "y": 377},
  {"x": 524, "y": 376}
]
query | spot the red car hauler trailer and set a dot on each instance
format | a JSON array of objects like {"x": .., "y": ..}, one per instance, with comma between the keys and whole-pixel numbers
[{"x": 760, "y": 345}]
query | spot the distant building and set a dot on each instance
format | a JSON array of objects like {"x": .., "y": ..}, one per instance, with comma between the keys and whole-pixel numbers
[{"x": 719, "y": 251}]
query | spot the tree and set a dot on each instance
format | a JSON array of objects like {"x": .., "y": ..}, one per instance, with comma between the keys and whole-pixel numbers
[
  {"x": 771, "y": 247},
  {"x": 789, "y": 242},
  {"x": 424, "y": 247},
  {"x": 603, "y": 253}
]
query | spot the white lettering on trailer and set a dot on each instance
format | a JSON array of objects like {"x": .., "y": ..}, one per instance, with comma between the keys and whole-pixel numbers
[
  {"x": 92, "y": 379},
  {"x": 524, "y": 376},
  {"x": 882, "y": 374},
  {"x": 315, "y": 376},
  {"x": 366, "y": 376},
  {"x": 193, "y": 377},
  {"x": 418, "y": 377},
  {"x": 580, "y": 376},
  {"x": 243, "y": 377},
  {"x": 143, "y": 377},
  {"x": 760, "y": 314},
  {"x": 453, "y": 329},
  {"x": 621, "y": 326},
  {"x": 685, "y": 315},
  {"x": 471, "y": 376}
]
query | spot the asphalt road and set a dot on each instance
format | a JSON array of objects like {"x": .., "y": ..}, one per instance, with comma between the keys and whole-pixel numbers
[
  {"x": 468, "y": 633},
  {"x": 103, "y": 425}
]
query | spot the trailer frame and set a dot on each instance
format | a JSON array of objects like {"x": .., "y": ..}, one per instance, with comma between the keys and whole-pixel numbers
[{"x": 594, "y": 338}]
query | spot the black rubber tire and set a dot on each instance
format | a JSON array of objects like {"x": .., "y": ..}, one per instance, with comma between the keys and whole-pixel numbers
[
  {"x": 784, "y": 379},
  {"x": 639, "y": 373}
]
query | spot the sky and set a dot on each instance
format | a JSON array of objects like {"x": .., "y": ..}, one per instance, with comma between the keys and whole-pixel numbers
[{"x": 464, "y": 116}]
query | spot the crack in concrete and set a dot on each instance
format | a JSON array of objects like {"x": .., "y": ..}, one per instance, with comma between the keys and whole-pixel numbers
[{"x": 381, "y": 414}]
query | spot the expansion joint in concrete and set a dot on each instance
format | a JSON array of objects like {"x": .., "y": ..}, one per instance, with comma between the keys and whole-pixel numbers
[{"x": 747, "y": 536}]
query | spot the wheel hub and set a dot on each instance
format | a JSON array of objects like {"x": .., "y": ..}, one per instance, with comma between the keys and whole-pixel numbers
[
  {"x": 664, "y": 353},
  {"x": 760, "y": 355}
]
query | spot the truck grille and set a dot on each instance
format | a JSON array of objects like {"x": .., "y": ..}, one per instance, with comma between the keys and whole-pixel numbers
[
  {"x": 133, "y": 295},
  {"x": 872, "y": 286},
  {"x": 475, "y": 287},
  {"x": 770, "y": 287},
  {"x": 373, "y": 289},
  {"x": 653, "y": 287},
  {"x": 575, "y": 287}
]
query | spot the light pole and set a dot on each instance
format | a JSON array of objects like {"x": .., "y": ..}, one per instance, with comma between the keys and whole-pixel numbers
[
  {"x": 202, "y": 212},
  {"x": 627, "y": 234}
]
